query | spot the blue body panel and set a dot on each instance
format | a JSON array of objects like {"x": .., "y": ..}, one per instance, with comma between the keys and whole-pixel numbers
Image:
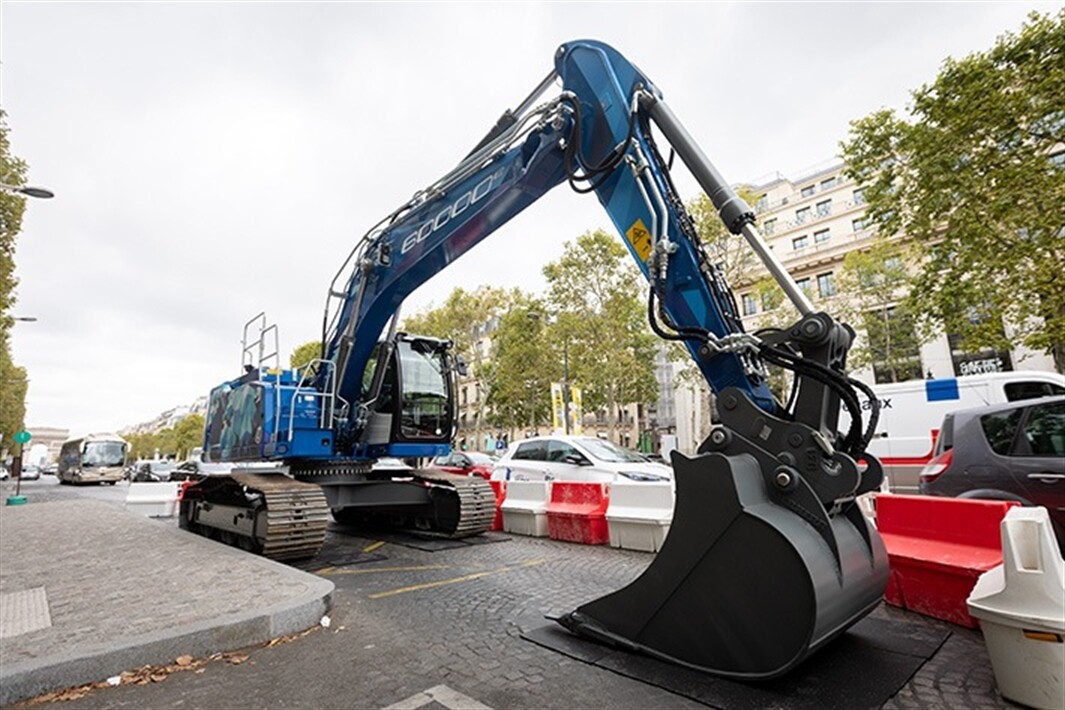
[{"x": 426, "y": 239}]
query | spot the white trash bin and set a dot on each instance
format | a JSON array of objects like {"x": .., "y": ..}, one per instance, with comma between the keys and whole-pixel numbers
[{"x": 1021, "y": 608}]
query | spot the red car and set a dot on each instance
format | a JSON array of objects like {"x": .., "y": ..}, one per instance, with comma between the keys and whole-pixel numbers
[{"x": 465, "y": 463}]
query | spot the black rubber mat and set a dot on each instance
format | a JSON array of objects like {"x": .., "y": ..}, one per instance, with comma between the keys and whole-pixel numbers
[
  {"x": 428, "y": 543},
  {"x": 862, "y": 668}
]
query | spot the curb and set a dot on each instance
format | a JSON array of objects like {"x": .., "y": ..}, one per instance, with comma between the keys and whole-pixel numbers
[{"x": 20, "y": 681}]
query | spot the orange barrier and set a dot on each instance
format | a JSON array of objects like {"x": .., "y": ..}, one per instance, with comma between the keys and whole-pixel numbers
[
  {"x": 937, "y": 548},
  {"x": 500, "y": 490},
  {"x": 577, "y": 512}
]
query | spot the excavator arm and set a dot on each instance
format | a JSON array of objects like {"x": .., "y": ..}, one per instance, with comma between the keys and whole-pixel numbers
[{"x": 768, "y": 556}]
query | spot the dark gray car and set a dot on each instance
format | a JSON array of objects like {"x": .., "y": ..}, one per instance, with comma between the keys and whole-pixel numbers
[{"x": 1013, "y": 451}]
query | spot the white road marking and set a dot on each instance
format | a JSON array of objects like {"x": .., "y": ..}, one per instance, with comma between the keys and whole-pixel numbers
[{"x": 451, "y": 699}]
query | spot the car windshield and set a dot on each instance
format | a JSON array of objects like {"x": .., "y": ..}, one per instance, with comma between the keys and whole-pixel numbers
[
  {"x": 610, "y": 452},
  {"x": 479, "y": 458},
  {"x": 104, "y": 453}
]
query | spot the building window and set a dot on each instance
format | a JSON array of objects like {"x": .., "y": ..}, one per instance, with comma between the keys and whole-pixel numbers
[
  {"x": 762, "y": 204},
  {"x": 824, "y": 208},
  {"x": 826, "y": 285},
  {"x": 893, "y": 345},
  {"x": 804, "y": 284},
  {"x": 1058, "y": 159},
  {"x": 858, "y": 224},
  {"x": 770, "y": 299},
  {"x": 769, "y": 226},
  {"x": 750, "y": 305},
  {"x": 801, "y": 215},
  {"x": 800, "y": 242},
  {"x": 859, "y": 196},
  {"x": 828, "y": 183},
  {"x": 808, "y": 190},
  {"x": 821, "y": 236}
]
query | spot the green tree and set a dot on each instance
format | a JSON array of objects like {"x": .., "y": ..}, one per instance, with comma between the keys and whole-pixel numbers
[
  {"x": 599, "y": 297},
  {"x": 975, "y": 178},
  {"x": 520, "y": 373},
  {"x": 304, "y": 354},
  {"x": 13, "y": 382},
  {"x": 188, "y": 434},
  {"x": 462, "y": 319},
  {"x": 876, "y": 282}
]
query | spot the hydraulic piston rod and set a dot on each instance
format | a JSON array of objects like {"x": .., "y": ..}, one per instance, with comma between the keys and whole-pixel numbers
[{"x": 735, "y": 212}]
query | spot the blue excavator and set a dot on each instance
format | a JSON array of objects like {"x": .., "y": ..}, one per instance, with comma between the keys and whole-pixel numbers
[{"x": 768, "y": 556}]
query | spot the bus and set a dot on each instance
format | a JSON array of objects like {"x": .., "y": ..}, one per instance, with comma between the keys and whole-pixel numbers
[{"x": 96, "y": 458}]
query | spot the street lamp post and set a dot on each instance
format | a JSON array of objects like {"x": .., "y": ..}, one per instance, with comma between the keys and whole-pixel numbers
[{"x": 40, "y": 192}]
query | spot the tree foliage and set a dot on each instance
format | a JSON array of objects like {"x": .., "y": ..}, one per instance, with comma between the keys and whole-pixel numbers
[
  {"x": 599, "y": 297},
  {"x": 519, "y": 375},
  {"x": 13, "y": 382},
  {"x": 177, "y": 441},
  {"x": 876, "y": 282},
  {"x": 974, "y": 176},
  {"x": 304, "y": 354}
]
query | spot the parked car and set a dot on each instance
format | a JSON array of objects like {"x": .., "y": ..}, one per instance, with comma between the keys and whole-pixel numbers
[
  {"x": 575, "y": 458},
  {"x": 1012, "y": 451},
  {"x": 195, "y": 469},
  {"x": 149, "y": 471},
  {"x": 4, "y": 473},
  {"x": 465, "y": 463},
  {"x": 49, "y": 469},
  {"x": 30, "y": 473}
]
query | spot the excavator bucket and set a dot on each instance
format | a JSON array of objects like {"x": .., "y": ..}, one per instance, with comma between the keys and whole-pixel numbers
[{"x": 743, "y": 587}]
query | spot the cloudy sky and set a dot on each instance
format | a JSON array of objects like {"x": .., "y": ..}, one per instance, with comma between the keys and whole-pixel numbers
[{"x": 214, "y": 160}]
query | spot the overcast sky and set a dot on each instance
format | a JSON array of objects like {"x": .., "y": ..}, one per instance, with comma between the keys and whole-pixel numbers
[{"x": 214, "y": 160}]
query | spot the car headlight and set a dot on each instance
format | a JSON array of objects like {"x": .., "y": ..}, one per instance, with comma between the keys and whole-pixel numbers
[{"x": 640, "y": 476}]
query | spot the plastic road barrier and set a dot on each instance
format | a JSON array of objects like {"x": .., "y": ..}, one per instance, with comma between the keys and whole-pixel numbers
[
  {"x": 525, "y": 508},
  {"x": 577, "y": 512},
  {"x": 1021, "y": 608},
  {"x": 154, "y": 500},
  {"x": 639, "y": 515},
  {"x": 937, "y": 549},
  {"x": 500, "y": 490}
]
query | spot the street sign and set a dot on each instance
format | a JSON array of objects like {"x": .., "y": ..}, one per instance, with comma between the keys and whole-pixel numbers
[{"x": 22, "y": 437}]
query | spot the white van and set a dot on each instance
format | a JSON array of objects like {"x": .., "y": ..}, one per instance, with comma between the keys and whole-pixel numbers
[{"x": 912, "y": 412}]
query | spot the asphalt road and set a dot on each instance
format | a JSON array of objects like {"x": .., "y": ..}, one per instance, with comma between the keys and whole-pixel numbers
[{"x": 414, "y": 628}]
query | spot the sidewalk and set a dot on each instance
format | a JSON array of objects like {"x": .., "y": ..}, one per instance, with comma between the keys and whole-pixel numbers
[{"x": 88, "y": 590}]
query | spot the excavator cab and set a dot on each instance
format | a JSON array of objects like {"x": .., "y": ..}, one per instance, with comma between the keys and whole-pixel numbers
[{"x": 408, "y": 398}]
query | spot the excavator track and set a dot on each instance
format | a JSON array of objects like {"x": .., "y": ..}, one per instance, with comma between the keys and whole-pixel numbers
[
  {"x": 474, "y": 502},
  {"x": 450, "y": 506},
  {"x": 267, "y": 513}
]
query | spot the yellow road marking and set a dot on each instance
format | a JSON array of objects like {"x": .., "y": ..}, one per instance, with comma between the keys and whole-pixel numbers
[
  {"x": 374, "y": 546},
  {"x": 455, "y": 580},
  {"x": 334, "y": 570},
  {"x": 324, "y": 570}
]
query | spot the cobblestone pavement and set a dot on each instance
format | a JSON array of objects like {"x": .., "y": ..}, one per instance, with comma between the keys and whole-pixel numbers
[{"x": 407, "y": 620}]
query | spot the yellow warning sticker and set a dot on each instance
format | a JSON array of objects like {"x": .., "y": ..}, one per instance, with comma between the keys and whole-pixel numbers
[{"x": 640, "y": 239}]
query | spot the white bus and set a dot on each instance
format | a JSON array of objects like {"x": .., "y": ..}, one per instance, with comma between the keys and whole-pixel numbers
[{"x": 96, "y": 458}]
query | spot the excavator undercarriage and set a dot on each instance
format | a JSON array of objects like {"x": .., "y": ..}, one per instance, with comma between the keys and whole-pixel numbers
[{"x": 270, "y": 513}]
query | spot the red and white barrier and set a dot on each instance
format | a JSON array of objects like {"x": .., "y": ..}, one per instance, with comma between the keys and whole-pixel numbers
[
  {"x": 154, "y": 500},
  {"x": 937, "y": 548},
  {"x": 499, "y": 488},
  {"x": 525, "y": 508},
  {"x": 577, "y": 512},
  {"x": 639, "y": 515}
]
